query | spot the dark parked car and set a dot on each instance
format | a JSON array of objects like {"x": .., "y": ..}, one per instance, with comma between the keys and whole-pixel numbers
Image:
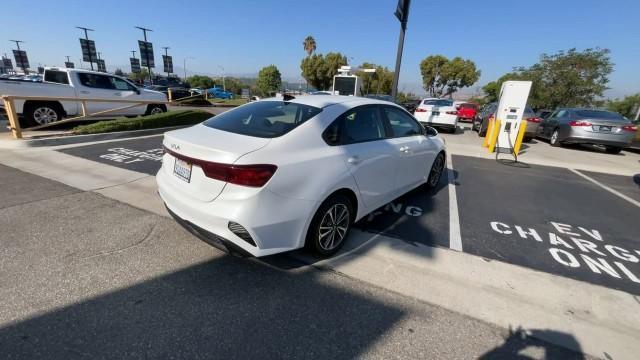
[
  {"x": 176, "y": 92},
  {"x": 588, "y": 126},
  {"x": 481, "y": 122},
  {"x": 411, "y": 105}
]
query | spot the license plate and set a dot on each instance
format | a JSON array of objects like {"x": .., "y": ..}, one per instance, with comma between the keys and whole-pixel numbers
[
  {"x": 604, "y": 128},
  {"x": 182, "y": 169},
  {"x": 436, "y": 113}
]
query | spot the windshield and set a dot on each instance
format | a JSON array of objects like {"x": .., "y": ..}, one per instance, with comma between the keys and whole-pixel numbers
[
  {"x": 266, "y": 119},
  {"x": 439, "y": 102},
  {"x": 599, "y": 114}
]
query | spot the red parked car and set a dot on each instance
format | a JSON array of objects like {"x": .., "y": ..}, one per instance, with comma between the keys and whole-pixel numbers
[{"x": 467, "y": 112}]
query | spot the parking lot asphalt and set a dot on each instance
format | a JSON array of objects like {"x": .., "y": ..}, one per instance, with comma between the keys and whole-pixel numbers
[
  {"x": 87, "y": 277},
  {"x": 550, "y": 219}
]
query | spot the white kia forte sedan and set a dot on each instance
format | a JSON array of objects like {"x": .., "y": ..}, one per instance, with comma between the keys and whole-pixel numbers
[{"x": 277, "y": 175}]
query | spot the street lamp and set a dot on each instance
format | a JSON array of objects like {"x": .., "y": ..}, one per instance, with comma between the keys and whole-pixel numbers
[
  {"x": 184, "y": 66},
  {"x": 224, "y": 88}
]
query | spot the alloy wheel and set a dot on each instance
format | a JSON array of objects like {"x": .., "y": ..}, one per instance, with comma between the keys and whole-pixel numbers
[
  {"x": 333, "y": 227},
  {"x": 156, "y": 110},
  {"x": 436, "y": 170},
  {"x": 45, "y": 115}
]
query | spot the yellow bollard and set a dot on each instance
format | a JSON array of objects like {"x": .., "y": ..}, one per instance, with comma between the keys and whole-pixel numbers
[
  {"x": 494, "y": 135},
  {"x": 521, "y": 130},
  {"x": 485, "y": 143},
  {"x": 12, "y": 115},
  {"x": 170, "y": 95}
]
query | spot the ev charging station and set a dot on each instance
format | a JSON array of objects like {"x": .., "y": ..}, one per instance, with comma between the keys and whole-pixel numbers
[
  {"x": 346, "y": 83},
  {"x": 508, "y": 128}
]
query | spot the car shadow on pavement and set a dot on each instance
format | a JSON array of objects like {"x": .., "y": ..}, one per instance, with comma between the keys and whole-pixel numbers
[
  {"x": 225, "y": 308},
  {"x": 523, "y": 345}
]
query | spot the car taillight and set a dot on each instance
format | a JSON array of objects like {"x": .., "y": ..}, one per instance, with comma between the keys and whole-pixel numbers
[
  {"x": 420, "y": 110},
  {"x": 534, "y": 119},
  {"x": 631, "y": 128},
  {"x": 579, "y": 123},
  {"x": 452, "y": 113},
  {"x": 246, "y": 175}
]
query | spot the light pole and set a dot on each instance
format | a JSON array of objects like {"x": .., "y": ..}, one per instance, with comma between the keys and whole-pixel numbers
[
  {"x": 224, "y": 88},
  {"x": 402, "y": 13},
  {"x": 184, "y": 66},
  {"x": 146, "y": 52},
  {"x": 86, "y": 37}
]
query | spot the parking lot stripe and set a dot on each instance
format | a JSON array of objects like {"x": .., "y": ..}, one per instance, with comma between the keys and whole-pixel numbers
[
  {"x": 613, "y": 191},
  {"x": 455, "y": 240}
]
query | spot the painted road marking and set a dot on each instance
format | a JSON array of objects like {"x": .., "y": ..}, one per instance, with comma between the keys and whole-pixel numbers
[
  {"x": 613, "y": 191},
  {"x": 455, "y": 240}
]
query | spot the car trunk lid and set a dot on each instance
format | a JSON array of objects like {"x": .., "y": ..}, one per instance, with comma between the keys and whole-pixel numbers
[{"x": 185, "y": 149}]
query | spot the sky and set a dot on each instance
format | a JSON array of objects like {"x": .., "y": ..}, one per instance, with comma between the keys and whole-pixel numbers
[{"x": 241, "y": 36}]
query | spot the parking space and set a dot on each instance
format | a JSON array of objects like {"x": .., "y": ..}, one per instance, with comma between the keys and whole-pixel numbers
[{"x": 571, "y": 223}]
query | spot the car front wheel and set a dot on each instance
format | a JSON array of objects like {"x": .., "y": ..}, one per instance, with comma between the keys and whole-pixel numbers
[
  {"x": 330, "y": 225},
  {"x": 613, "y": 149},
  {"x": 436, "y": 171}
]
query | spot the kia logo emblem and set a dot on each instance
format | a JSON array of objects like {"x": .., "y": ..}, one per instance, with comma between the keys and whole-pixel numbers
[{"x": 175, "y": 147}]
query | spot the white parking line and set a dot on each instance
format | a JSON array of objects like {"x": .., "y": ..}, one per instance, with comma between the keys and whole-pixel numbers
[
  {"x": 455, "y": 240},
  {"x": 613, "y": 191}
]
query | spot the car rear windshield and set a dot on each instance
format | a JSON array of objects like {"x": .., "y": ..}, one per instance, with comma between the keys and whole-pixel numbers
[
  {"x": 265, "y": 119},
  {"x": 598, "y": 114},
  {"x": 438, "y": 102}
]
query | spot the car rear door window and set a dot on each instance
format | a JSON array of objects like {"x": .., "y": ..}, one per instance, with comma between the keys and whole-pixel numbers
[
  {"x": 54, "y": 76},
  {"x": 401, "y": 123}
]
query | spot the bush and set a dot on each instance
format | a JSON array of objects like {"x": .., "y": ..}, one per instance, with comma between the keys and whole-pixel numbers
[{"x": 172, "y": 118}]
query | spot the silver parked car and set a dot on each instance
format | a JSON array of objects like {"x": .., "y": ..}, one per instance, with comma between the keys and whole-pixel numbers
[{"x": 588, "y": 126}]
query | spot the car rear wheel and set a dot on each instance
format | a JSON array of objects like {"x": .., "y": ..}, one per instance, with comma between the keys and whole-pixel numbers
[
  {"x": 330, "y": 225},
  {"x": 555, "y": 138},
  {"x": 612, "y": 149},
  {"x": 437, "y": 168},
  {"x": 41, "y": 113}
]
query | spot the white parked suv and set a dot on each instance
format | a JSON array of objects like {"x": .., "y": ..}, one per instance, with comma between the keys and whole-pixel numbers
[
  {"x": 77, "y": 83},
  {"x": 276, "y": 175},
  {"x": 440, "y": 113}
]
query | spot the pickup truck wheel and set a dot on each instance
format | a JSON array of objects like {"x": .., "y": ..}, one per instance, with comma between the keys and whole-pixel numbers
[
  {"x": 41, "y": 113},
  {"x": 155, "y": 109}
]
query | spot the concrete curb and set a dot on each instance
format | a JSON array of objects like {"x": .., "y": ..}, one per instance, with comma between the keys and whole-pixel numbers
[{"x": 77, "y": 139}]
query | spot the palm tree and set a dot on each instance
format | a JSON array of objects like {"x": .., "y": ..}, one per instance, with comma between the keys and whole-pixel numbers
[{"x": 309, "y": 45}]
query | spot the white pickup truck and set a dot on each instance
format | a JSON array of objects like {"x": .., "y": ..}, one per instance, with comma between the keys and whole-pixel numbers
[{"x": 77, "y": 83}]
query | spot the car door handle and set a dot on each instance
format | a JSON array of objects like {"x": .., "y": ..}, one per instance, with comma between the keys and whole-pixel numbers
[
  {"x": 404, "y": 149},
  {"x": 84, "y": 92},
  {"x": 353, "y": 160},
  {"x": 117, "y": 94}
]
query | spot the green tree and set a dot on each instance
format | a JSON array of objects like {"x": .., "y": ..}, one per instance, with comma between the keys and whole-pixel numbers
[
  {"x": 118, "y": 72},
  {"x": 269, "y": 80},
  {"x": 570, "y": 78},
  {"x": 443, "y": 77},
  {"x": 139, "y": 76},
  {"x": 201, "y": 81},
  {"x": 628, "y": 106},
  {"x": 309, "y": 45},
  {"x": 379, "y": 82},
  {"x": 319, "y": 69}
]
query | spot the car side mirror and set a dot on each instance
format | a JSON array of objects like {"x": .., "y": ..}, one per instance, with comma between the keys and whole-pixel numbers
[
  {"x": 430, "y": 131},
  {"x": 137, "y": 90}
]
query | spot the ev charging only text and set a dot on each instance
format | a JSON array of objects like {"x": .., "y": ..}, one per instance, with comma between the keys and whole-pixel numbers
[{"x": 579, "y": 247}]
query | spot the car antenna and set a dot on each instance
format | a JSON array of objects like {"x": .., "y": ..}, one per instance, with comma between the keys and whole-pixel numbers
[{"x": 287, "y": 97}]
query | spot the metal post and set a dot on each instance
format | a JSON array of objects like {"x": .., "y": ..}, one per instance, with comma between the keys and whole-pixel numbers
[
  {"x": 402, "y": 13},
  {"x": 396, "y": 74},
  {"x": 224, "y": 88},
  {"x": 86, "y": 36},
  {"x": 637, "y": 113}
]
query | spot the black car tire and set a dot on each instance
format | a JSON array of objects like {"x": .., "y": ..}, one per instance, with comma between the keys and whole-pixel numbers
[
  {"x": 155, "y": 109},
  {"x": 612, "y": 149},
  {"x": 437, "y": 168},
  {"x": 320, "y": 245},
  {"x": 554, "y": 139},
  {"x": 30, "y": 109}
]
